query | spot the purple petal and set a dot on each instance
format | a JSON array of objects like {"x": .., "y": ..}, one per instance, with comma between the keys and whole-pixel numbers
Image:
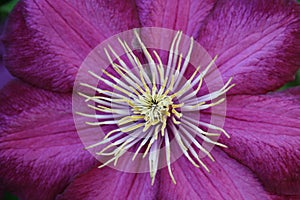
[
  {"x": 40, "y": 151},
  {"x": 46, "y": 41},
  {"x": 5, "y": 77},
  {"x": 177, "y": 15},
  {"x": 108, "y": 183},
  {"x": 228, "y": 179},
  {"x": 265, "y": 136},
  {"x": 257, "y": 42}
]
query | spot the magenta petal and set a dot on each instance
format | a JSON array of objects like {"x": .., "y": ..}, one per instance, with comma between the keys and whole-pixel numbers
[
  {"x": 46, "y": 41},
  {"x": 228, "y": 179},
  {"x": 108, "y": 183},
  {"x": 265, "y": 136},
  {"x": 177, "y": 15},
  {"x": 40, "y": 151},
  {"x": 257, "y": 42}
]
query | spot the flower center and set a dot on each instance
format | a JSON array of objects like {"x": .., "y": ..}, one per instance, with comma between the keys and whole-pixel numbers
[
  {"x": 144, "y": 107},
  {"x": 155, "y": 109}
]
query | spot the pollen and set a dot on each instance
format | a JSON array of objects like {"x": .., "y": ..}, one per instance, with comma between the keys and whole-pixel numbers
[{"x": 150, "y": 106}]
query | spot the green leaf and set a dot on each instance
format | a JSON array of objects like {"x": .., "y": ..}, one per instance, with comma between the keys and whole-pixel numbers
[
  {"x": 8, "y": 196},
  {"x": 5, "y": 9},
  {"x": 294, "y": 83}
]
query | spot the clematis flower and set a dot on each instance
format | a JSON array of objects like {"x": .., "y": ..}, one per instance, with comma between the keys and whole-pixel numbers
[{"x": 257, "y": 42}]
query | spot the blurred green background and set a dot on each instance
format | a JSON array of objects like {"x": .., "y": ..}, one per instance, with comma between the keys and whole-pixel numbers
[{"x": 5, "y": 8}]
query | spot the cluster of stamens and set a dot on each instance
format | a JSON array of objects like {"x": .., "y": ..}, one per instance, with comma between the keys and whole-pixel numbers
[{"x": 149, "y": 106}]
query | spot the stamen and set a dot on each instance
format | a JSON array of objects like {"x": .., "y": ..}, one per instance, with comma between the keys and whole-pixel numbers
[
  {"x": 168, "y": 156},
  {"x": 150, "y": 108}
]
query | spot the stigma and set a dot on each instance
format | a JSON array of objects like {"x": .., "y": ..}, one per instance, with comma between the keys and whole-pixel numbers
[{"x": 150, "y": 105}]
